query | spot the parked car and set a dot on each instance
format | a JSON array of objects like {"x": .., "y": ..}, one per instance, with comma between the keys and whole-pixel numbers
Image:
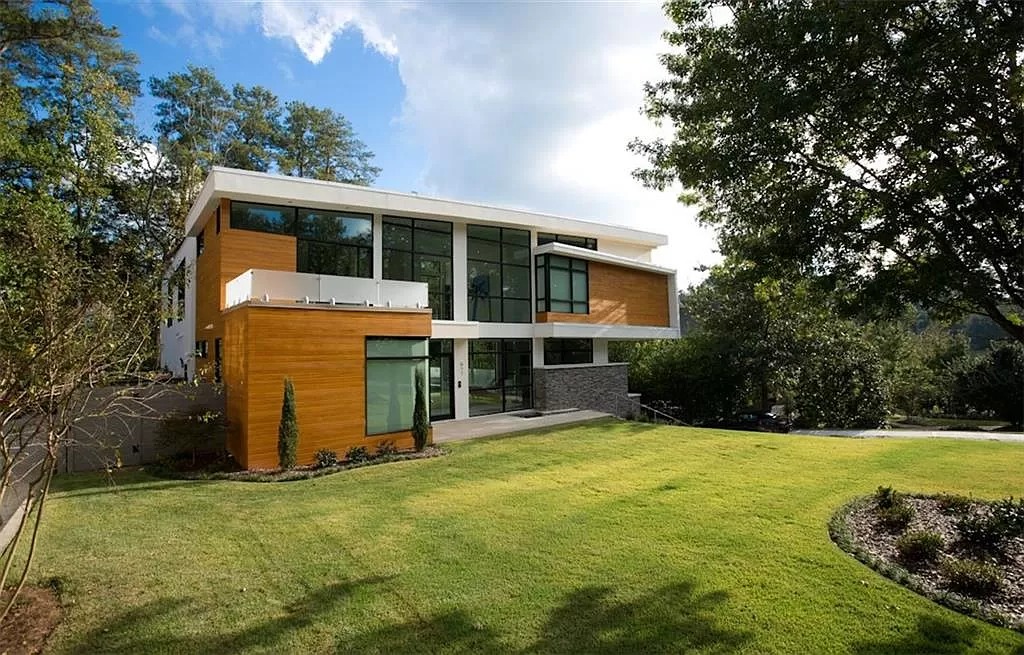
[{"x": 755, "y": 422}]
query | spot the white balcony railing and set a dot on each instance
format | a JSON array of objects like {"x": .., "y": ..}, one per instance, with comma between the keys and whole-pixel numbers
[{"x": 282, "y": 286}]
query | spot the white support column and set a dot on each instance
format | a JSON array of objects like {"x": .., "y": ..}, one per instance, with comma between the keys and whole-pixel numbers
[
  {"x": 460, "y": 350},
  {"x": 538, "y": 351},
  {"x": 378, "y": 247},
  {"x": 459, "y": 272},
  {"x": 600, "y": 351}
]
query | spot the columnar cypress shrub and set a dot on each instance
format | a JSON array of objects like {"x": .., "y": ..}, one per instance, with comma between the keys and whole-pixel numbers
[
  {"x": 288, "y": 430},
  {"x": 420, "y": 422}
]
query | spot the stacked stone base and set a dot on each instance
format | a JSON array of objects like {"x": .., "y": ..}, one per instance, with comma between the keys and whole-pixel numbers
[{"x": 600, "y": 387}]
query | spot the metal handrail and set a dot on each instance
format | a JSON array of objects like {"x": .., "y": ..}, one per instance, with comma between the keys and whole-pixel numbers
[{"x": 633, "y": 403}]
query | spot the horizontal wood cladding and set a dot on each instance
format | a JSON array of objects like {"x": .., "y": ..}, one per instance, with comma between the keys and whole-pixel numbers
[
  {"x": 236, "y": 399},
  {"x": 208, "y": 319},
  {"x": 620, "y": 296},
  {"x": 323, "y": 352}
]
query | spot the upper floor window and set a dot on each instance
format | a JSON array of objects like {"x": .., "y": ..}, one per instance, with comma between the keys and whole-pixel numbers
[
  {"x": 562, "y": 285},
  {"x": 262, "y": 218},
  {"x": 579, "y": 242},
  {"x": 334, "y": 243},
  {"x": 498, "y": 267},
  {"x": 327, "y": 242},
  {"x": 200, "y": 243},
  {"x": 419, "y": 250}
]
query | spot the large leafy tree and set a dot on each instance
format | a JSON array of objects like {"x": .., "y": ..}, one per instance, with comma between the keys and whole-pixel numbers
[
  {"x": 877, "y": 146},
  {"x": 320, "y": 143},
  {"x": 74, "y": 307}
]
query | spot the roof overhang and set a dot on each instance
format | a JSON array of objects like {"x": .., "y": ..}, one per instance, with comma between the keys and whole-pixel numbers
[{"x": 285, "y": 190}]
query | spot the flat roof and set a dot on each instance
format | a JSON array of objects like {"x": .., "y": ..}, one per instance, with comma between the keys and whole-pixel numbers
[{"x": 271, "y": 188}]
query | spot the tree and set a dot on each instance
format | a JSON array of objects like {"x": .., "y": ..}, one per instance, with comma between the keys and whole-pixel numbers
[
  {"x": 74, "y": 310},
  {"x": 288, "y": 430},
  {"x": 992, "y": 383},
  {"x": 876, "y": 146},
  {"x": 320, "y": 143},
  {"x": 253, "y": 132},
  {"x": 420, "y": 420}
]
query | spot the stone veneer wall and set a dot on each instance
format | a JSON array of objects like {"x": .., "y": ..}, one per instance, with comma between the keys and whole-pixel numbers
[{"x": 601, "y": 387}]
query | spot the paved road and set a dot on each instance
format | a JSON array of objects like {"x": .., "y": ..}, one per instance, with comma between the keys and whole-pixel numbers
[{"x": 1017, "y": 437}]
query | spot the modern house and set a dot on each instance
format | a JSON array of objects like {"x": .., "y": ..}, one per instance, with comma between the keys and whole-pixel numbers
[{"x": 353, "y": 292}]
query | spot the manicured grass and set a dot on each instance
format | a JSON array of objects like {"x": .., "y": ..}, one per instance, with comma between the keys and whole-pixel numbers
[{"x": 605, "y": 538}]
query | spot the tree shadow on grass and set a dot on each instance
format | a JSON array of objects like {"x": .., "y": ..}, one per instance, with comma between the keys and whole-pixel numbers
[
  {"x": 132, "y": 632},
  {"x": 590, "y": 620},
  {"x": 74, "y": 485},
  {"x": 932, "y": 635}
]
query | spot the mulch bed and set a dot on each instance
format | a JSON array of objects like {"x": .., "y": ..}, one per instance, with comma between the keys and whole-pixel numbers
[
  {"x": 857, "y": 529},
  {"x": 30, "y": 622},
  {"x": 231, "y": 472}
]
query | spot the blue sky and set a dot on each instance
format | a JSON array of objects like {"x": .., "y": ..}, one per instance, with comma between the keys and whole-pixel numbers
[{"x": 525, "y": 105}]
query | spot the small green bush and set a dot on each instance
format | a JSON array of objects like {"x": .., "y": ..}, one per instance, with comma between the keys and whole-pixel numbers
[
  {"x": 288, "y": 429},
  {"x": 357, "y": 454},
  {"x": 420, "y": 420},
  {"x": 896, "y": 518},
  {"x": 386, "y": 448},
  {"x": 919, "y": 547},
  {"x": 992, "y": 531},
  {"x": 971, "y": 578},
  {"x": 953, "y": 504},
  {"x": 325, "y": 458},
  {"x": 886, "y": 497}
]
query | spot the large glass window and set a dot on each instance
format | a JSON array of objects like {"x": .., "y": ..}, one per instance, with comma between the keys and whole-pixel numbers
[
  {"x": 498, "y": 265},
  {"x": 562, "y": 285},
  {"x": 568, "y": 351},
  {"x": 500, "y": 375},
  {"x": 579, "y": 242},
  {"x": 262, "y": 218},
  {"x": 442, "y": 370},
  {"x": 421, "y": 251},
  {"x": 392, "y": 368},
  {"x": 327, "y": 242},
  {"x": 334, "y": 243}
]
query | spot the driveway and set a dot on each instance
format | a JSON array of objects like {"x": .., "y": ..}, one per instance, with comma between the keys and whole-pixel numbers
[{"x": 979, "y": 435}]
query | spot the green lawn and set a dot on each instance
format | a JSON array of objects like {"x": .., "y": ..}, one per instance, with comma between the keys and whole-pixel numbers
[{"x": 606, "y": 538}]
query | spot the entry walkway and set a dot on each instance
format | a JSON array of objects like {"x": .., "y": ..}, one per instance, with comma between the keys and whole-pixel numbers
[
  {"x": 495, "y": 424},
  {"x": 1017, "y": 437}
]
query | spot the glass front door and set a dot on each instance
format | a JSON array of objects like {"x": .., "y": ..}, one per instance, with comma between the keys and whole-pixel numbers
[
  {"x": 442, "y": 400},
  {"x": 500, "y": 375}
]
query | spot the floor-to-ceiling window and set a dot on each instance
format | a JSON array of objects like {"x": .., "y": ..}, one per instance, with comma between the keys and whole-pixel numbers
[
  {"x": 498, "y": 269},
  {"x": 419, "y": 250},
  {"x": 442, "y": 373},
  {"x": 500, "y": 375},
  {"x": 393, "y": 367}
]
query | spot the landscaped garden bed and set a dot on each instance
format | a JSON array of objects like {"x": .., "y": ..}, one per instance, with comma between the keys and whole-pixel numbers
[
  {"x": 224, "y": 468},
  {"x": 965, "y": 553}
]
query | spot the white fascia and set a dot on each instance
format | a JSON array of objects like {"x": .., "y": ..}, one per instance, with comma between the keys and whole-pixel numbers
[
  {"x": 285, "y": 190},
  {"x": 614, "y": 332}
]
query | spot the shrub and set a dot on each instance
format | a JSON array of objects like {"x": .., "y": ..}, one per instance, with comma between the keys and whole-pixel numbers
[
  {"x": 288, "y": 430},
  {"x": 1009, "y": 516},
  {"x": 886, "y": 497},
  {"x": 357, "y": 454},
  {"x": 971, "y": 577},
  {"x": 196, "y": 430},
  {"x": 420, "y": 420},
  {"x": 954, "y": 504},
  {"x": 386, "y": 448},
  {"x": 325, "y": 458},
  {"x": 919, "y": 547},
  {"x": 992, "y": 531},
  {"x": 897, "y": 517}
]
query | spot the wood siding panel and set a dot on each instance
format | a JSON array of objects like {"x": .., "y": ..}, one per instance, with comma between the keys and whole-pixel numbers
[
  {"x": 208, "y": 319},
  {"x": 323, "y": 352},
  {"x": 236, "y": 340},
  {"x": 620, "y": 296}
]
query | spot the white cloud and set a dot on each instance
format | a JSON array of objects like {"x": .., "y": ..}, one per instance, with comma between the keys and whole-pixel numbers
[{"x": 523, "y": 104}]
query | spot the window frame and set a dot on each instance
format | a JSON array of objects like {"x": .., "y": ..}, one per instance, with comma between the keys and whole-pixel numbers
[
  {"x": 423, "y": 360},
  {"x": 590, "y": 243},
  {"x": 543, "y": 288},
  {"x": 501, "y": 263},
  {"x": 558, "y": 346},
  {"x": 416, "y": 225}
]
